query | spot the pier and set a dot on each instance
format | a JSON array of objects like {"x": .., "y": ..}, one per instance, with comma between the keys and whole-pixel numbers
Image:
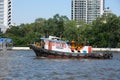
[
  {"x": 21, "y": 48},
  {"x": 106, "y": 49}
]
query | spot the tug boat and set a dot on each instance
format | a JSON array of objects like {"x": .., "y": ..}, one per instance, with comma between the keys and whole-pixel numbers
[{"x": 54, "y": 47}]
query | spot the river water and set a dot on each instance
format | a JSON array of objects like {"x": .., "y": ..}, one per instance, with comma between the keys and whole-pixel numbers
[{"x": 23, "y": 65}]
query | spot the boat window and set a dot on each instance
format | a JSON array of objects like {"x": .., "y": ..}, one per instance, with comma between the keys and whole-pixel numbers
[{"x": 69, "y": 43}]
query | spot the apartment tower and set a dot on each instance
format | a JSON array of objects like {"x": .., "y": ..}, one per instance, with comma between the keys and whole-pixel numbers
[
  {"x": 5, "y": 14},
  {"x": 87, "y": 10}
]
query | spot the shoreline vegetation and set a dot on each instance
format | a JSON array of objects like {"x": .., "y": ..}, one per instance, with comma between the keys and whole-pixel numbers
[
  {"x": 102, "y": 33},
  {"x": 94, "y": 49}
]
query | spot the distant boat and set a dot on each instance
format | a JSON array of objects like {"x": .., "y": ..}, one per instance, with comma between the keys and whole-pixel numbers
[
  {"x": 54, "y": 47},
  {"x": 5, "y": 44}
]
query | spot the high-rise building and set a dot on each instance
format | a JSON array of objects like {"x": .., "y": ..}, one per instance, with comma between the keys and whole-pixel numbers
[
  {"x": 87, "y": 10},
  {"x": 5, "y": 14},
  {"x": 107, "y": 11}
]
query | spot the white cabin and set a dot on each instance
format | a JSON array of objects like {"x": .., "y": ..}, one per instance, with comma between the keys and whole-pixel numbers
[{"x": 56, "y": 44}]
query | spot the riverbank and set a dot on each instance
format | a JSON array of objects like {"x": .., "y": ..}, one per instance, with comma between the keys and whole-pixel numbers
[
  {"x": 94, "y": 49},
  {"x": 106, "y": 49},
  {"x": 20, "y": 48}
]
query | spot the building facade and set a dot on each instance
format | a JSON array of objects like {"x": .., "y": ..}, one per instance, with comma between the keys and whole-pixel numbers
[
  {"x": 5, "y": 14},
  {"x": 87, "y": 10},
  {"x": 107, "y": 11}
]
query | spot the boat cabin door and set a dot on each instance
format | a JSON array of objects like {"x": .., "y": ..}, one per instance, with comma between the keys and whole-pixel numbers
[{"x": 49, "y": 45}]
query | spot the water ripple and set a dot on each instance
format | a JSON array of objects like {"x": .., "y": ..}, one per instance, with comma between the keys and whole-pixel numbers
[{"x": 23, "y": 65}]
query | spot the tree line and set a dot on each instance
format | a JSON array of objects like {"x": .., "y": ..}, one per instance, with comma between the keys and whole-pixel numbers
[{"x": 103, "y": 32}]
